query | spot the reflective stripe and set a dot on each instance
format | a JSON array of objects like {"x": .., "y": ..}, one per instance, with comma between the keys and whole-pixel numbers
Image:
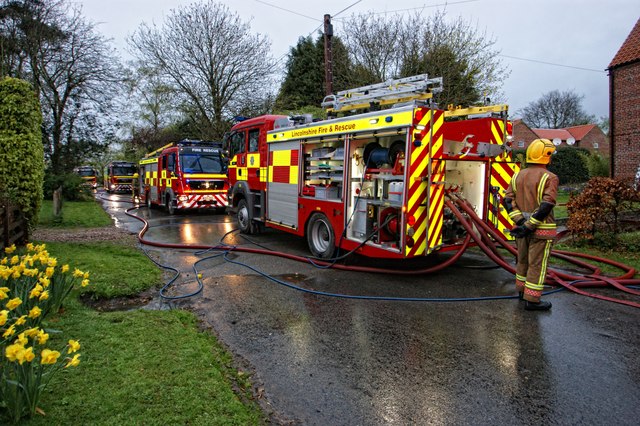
[{"x": 541, "y": 186}]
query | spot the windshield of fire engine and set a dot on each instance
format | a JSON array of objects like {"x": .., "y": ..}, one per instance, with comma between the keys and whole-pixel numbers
[
  {"x": 86, "y": 172},
  {"x": 124, "y": 170},
  {"x": 202, "y": 163}
]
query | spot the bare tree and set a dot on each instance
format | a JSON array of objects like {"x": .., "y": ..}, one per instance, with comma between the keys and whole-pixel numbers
[
  {"x": 72, "y": 68},
  {"x": 374, "y": 45},
  {"x": 79, "y": 77},
  {"x": 387, "y": 47},
  {"x": 209, "y": 55},
  {"x": 556, "y": 110}
]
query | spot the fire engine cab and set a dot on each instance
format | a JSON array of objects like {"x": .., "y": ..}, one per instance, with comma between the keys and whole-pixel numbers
[
  {"x": 372, "y": 182},
  {"x": 88, "y": 174},
  {"x": 190, "y": 174},
  {"x": 118, "y": 176}
]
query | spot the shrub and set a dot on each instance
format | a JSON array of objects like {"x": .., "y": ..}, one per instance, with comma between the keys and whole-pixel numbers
[
  {"x": 22, "y": 159},
  {"x": 597, "y": 165},
  {"x": 31, "y": 287},
  {"x": 598, "y": 207},
  {"x": 72, "y": 187},
  {"x": 569, "y": 165}
]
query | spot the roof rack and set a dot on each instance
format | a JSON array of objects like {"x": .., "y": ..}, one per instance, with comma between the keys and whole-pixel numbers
[{"x": 418, "y": 87}]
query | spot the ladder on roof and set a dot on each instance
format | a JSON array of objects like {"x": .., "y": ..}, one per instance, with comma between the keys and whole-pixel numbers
[{"x": 417, "y": 87}]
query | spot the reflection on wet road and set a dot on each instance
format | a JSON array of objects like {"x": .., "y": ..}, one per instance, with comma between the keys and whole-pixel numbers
[{"x": 335, "y": 361}]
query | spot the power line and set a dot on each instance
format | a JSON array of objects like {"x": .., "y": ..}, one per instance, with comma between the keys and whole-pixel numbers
[
  {"x": 551, "y": 63},
  {"x": 287, "y": 10},
  {"x": 424, "y": 6}
]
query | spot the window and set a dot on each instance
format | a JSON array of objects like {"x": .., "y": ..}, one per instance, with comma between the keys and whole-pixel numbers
[
  {"x": 253, "y": 140},
  {"x": 237, "y": 144},
  {"x": 171, "y": 163}
]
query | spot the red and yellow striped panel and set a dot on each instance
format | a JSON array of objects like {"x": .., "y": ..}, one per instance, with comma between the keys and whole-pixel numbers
[
  {"x": 501, "y": 174},
  {"x": 283, "y": 166},
  {"x": 425, "y": 199}
]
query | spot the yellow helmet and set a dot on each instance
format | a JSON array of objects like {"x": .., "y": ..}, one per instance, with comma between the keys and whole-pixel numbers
[{"x": 540, "y": 151}]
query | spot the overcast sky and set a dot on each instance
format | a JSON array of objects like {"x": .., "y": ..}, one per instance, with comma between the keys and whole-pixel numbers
[{"x": 546, "y": 44}]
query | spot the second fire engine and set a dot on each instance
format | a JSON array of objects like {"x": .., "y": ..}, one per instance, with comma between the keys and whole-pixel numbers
[
  {"x": 186, "y": 175},
  {"x": 375, "y": 182}
]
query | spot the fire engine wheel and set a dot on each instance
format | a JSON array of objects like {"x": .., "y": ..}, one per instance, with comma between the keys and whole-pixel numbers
[
  {"x": 320, "y": 236},
  {"x": 171, "y": 208},
  {"x": 243, "y": 218}
]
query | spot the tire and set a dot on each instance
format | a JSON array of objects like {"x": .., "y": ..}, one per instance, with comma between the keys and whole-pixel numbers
[
  {"x": 171, "y": 209},
  {"x": 244, "y": 219},
  {"x": 320, "y": 237}
]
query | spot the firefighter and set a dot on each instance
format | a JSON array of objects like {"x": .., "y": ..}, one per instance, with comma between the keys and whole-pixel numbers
[{"x": 529, "y": 200}]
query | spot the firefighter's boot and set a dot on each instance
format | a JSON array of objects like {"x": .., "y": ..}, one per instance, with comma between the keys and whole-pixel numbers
[
  {"x": 521, "y": 295},
  {"x": 540, "y": 306}
]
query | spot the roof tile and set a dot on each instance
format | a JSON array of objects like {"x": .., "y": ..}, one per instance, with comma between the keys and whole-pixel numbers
[{"x": 630, "y": 49}]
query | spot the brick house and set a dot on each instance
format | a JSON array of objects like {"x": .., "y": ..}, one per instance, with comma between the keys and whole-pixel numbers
[
  {"x": 588, "y": 136},
  {"x": 624, "y": 107}
]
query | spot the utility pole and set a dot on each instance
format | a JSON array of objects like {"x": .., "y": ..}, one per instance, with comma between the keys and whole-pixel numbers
[{"x": 328, "y": 55}]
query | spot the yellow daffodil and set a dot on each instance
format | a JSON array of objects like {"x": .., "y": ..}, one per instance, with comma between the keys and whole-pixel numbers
[
  {"x": 5, "y": 273},
  {"x": 77, "y": 273},
  {"x": 10, "y": 249},
  {"x": 4, "y": 315},
  {"x": 15, "y": 260},
  {"x": 30, "y": 247},
  {"x": 32, "y": 332},
  {"x": 48, "y": 356},
  {"x": 14, "y": 303},
  {"x": 14, "y": 352},
  {"x": 4, "y": 261},
  {"x": 44, "y": 295},
  {"x": 35, "y": 312},
  {"x": 3, "y": 292},
  {"x": 53, "y": 262},
  {"x": 28, "y": 354},
  {"x": 85, "y": 276},
  {"x": 21, "y": 320},
  {"x": 44, "y": 281},
  {"x": 22, "y": 339},
  {"x": 74, "y": 346},
  {"x": 35, "y": 291},
  {"x": 65, "y": 269},
  {"x": 16, "y": 274},
  {"x": 42, "y": 337},
  {"x": 30, "y": 272},
  {"x": 73, "y": 362},
  {"x": 84, "y": 283},
  {"x": 9, "y": 331},
  {"x": 49, "y": 271}
]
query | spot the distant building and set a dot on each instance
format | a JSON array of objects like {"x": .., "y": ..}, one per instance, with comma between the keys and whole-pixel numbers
[
  {"x": 624, "y": 107},
  {"x": 588, "y": 136}
]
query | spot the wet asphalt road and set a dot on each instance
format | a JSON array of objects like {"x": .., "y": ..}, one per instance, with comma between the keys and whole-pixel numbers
[{"x": 321, "y": 360}]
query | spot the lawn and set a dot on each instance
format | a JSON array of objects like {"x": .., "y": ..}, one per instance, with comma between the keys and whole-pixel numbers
[{"x": 137, "y": 366}]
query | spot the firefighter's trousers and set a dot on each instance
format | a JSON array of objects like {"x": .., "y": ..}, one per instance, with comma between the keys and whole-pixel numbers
[{"x": 531, "y": 269}]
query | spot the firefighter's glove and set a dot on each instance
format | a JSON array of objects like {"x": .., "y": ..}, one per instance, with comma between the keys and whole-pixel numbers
[{"x": 520, "y": 231}]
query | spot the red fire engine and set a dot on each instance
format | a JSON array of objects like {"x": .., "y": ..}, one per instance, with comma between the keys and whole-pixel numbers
[
  {"x": 373, "y": 182},
  {"x": 189, "y": 174},
  {"x": 88, "y": 174},
  {"x": 118, "y": 176}
]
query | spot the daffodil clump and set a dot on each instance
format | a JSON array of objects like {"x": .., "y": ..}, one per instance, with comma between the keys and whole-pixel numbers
[{"x": 32, "y": 285}]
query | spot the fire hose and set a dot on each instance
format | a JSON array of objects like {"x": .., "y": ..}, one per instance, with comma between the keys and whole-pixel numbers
[{"x": 484, "y": 236}]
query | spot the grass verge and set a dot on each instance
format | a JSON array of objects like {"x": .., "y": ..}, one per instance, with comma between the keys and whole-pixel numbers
[
  {"x": 79, "y": 214},
  {"x": 137, "y": 366},
  {"x": 144, "y": 368}
]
